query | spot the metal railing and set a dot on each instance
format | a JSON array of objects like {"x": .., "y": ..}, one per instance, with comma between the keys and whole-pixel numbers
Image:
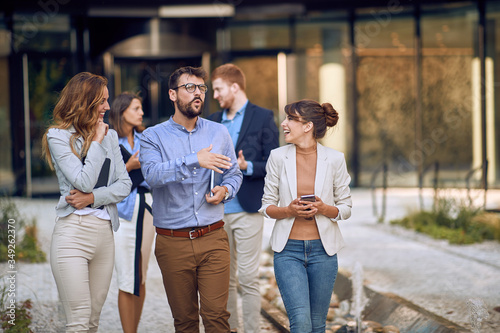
[
  {"x": 484, "y": 169},
  {"x": 435, "y": 182},
  {"x": 384, "y": 168}
]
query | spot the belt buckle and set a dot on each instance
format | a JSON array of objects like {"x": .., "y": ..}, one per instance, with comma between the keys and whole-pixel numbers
[{"x": 191, "y": 234}]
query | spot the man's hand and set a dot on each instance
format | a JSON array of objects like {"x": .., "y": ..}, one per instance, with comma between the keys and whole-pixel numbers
[
  {"x": 219, "y": 194},
  {"x": 133, "y": 162},
  {"x": 241, "y": 161},
  {"x": 213, "y": 161},
  {"x": 79, "y": 199}
]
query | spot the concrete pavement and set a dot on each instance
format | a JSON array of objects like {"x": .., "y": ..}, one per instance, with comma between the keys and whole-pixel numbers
[
  {"x": 432, "y": 274},
  {"x": 35, "y": 282}
]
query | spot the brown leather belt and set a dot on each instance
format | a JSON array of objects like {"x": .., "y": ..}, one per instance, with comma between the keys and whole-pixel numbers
[{"x": 191, "y": 234}]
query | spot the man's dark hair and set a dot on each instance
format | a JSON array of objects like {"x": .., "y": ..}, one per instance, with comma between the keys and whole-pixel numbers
[{"x": 173, "y": 81}]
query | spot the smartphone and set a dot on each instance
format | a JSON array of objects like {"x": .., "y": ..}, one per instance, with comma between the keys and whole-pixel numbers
[{"x": 308, "y": 197}]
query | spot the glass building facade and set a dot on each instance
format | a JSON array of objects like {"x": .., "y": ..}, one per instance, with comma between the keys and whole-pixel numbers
[{"x": 414, "y": 82}]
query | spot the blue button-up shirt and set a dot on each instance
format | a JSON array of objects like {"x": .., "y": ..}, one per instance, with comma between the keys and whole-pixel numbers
[
  {"x": 126, "y": 207},
  {"x": 170, "y": 166},
  {"x": 234, "y": 128}
]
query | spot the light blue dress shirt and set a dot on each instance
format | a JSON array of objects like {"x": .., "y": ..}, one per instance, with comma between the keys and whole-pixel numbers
[
  {"x": 170, "y": 166},
  {"x": 126, "y": 207},
  {"x": 234, "y": 128}
]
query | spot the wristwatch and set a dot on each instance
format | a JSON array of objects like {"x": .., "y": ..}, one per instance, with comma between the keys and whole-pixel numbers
[{"x": 227, "y": 193}]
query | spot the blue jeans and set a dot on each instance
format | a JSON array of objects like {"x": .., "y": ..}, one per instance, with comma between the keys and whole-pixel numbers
[{"x": 305, "y": 274}]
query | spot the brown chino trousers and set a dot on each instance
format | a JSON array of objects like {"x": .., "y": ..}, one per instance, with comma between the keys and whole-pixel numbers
[{"x": 195, "y": 266}]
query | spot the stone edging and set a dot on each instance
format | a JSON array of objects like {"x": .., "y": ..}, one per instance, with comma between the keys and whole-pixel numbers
[{"x": 386, "y": 309}]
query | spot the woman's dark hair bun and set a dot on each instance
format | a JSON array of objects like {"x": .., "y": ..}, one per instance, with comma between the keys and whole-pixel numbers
[{"x": 331, "y": 115}]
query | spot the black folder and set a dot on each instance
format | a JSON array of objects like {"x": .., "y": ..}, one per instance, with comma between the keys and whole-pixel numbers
[
  {"x": 102, "y": 180},
  {"x": 135, "y": 175}
]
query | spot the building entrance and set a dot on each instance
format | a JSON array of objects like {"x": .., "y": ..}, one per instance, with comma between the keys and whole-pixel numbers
[{"x": 149, "y": 79}]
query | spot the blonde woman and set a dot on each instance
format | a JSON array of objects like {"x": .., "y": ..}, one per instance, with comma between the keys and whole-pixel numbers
[
  {"x": 306, "y": 237},
  {"x": 92, "y": 179}
]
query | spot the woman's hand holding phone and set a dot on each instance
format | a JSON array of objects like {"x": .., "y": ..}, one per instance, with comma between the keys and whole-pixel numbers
[{"x": 306, "y": 200}]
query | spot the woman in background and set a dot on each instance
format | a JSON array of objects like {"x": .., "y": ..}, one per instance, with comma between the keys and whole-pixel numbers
[
  {"x": 92, "y": 179},
  {"x": 306, "y": 237},
  {"x": 134, "y": 240}
]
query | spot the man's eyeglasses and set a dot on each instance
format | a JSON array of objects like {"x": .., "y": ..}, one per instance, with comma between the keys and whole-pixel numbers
[{"x": 191, "y": 87}]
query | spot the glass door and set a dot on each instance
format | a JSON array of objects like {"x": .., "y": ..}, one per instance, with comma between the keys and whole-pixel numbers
[
  {"x": 46, "y": 76},
  {"x": 149, "y": 79}
]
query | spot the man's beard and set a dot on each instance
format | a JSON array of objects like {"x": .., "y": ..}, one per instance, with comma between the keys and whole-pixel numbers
[
  {"x": 187, "y": 108},
  {"x": 227, "y": 102}
]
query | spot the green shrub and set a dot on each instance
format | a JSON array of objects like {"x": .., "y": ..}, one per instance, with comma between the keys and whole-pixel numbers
[
  {"x": 29, "y": 247},
  {"x": 22, "y": 319},
  {"x": 17, "y": 318},
  {"x": 455, "y": 221},
  {"x": 25, "y": 241},
  {"x": 487, "y": 224}
]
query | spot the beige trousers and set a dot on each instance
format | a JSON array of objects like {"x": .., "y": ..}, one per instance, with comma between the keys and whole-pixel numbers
[
  {"x": 81, "y": 257},
  {"x": 244, "y": 231}
]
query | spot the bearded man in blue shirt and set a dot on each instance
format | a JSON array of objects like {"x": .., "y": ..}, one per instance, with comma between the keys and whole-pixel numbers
[{"x": 192, "y": 249}]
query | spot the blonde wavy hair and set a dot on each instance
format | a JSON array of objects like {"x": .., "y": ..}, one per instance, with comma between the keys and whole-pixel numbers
[{"x": 77, "y": 106}]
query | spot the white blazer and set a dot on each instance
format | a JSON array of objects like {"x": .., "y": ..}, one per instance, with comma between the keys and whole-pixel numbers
[{"x": 331, "y": 185}]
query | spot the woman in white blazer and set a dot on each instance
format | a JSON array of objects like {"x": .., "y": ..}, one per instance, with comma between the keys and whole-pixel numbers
[
  {"x": 306, "y": 237},
  {"x": 92, "y": 179}
]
